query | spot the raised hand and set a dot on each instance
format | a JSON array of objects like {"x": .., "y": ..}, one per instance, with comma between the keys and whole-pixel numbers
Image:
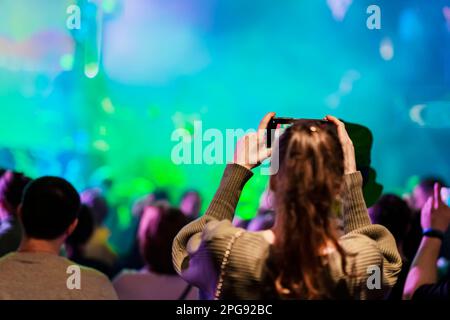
[
  {"x": 435, "y": 214},
  {"x": 251, "y": 150}
]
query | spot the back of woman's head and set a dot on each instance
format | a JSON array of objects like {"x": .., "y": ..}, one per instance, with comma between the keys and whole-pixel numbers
[
  {"x": 158, "y": 227},
  {"x": 306, "y": 188}
]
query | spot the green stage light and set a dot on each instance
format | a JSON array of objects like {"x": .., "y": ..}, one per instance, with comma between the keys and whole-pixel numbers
[{"x": 66, "y": 62}]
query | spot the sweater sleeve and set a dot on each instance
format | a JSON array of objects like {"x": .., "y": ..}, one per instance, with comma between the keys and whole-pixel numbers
[
  {"x": 220, "y": 212},
  {"x": 355, "y": 210},
  {"x": 373, "y": 244}
]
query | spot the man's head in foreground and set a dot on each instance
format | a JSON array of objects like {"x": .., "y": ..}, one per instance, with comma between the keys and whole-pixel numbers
[{"x": 49, "y": 213}]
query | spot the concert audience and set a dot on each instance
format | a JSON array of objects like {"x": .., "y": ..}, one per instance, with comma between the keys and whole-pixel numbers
[
  {"x": 309, "y": 201},
  {"x": 417, "y": 200},
  {"x": 36, "y": 271},
  {"x": 393, "y": 213},
  {"x": 265, "y": 217},
  {"x": 157, "y": 280},
  {"x": 12, "y": 185},
  {"x": 97, "y": 248},
  {"x": 133, "y": 259},
  {"x": 76, "y": 242},
  {"x": 422, "y": 281}
]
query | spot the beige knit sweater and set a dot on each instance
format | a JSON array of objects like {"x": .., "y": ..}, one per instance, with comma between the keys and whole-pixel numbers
[{"x": 199, "y": 248}]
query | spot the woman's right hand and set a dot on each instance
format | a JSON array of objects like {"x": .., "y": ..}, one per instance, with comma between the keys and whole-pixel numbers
[
  {"x": 347, "y": 145},
  {"x": 251, "y": 150}
]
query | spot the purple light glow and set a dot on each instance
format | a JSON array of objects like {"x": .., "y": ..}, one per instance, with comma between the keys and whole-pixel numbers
[{"x": 339, "y": 8}]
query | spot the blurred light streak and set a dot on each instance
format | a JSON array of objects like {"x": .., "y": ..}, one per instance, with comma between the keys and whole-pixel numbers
[
  {"x": 339, "y": 8},
  {"x": 387, "y": 49}
]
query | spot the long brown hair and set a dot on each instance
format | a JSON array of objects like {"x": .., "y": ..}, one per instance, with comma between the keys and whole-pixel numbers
[{"x": 308, "y": 182}]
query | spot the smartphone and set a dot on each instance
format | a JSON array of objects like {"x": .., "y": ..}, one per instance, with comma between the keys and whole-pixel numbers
[
  {"x": 281, "y": 124},
  {"x": 276, "y": 123}
]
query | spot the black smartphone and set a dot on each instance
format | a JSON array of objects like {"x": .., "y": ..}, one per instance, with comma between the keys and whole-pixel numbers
[
  {"x": 273, "y": 124},
  {"x": 284, "y": 123}
]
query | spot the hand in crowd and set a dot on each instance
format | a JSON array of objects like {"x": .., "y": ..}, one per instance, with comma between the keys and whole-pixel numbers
[{"x": 435, "y": 214}]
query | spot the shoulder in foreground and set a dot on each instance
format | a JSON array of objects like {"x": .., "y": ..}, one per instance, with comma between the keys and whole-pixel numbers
[
  {"x": 355, "y": 243},
  {"x": 91, "y": 272},
  {"x": 125, "y": 273}
]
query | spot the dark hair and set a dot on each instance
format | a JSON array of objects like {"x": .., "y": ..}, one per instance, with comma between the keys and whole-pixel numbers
[
  {"x": 393, "y": 213},
  {"x": 94, "y": 199},
  {"x": 49, "y": 206},
  {"x": 161, "y": 195},
  {"x": 307, "y": 185},
  {"x": 12, "y": 185},
  {"x": 84, "y": 229},
  {"x": 158, "y": 227}
]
